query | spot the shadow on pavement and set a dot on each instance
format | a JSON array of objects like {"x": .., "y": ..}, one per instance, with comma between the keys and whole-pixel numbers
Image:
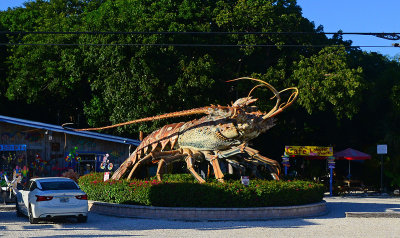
[{"x": 97, "y": 222}]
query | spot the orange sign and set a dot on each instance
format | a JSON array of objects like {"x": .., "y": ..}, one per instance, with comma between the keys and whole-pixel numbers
[{"x": 308, "y": 151}]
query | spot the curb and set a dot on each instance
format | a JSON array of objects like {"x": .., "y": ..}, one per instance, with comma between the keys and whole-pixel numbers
[
  {"x": 4, "y": 208},
  {"x": 373, "y": 214},
  {"x": 212, "y": 214}
]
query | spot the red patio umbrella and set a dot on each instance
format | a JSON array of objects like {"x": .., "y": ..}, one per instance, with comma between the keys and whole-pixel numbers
[{"x": 351, "y": 154}]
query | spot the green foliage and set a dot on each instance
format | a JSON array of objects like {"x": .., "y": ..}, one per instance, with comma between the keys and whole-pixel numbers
[
  {"x": 113, "y": 84},
  {"x": 394, "y": 178},
  {"x": 326, "y": 82},
  {"x": 178, "y": 178},
  {"x": 3, "y": 183},
  {"x": 39, "y": 74},
  {"x": 182, "y": 191}
]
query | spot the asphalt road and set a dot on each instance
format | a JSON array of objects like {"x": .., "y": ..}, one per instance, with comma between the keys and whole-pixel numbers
[{"x": 333, "y": 224}]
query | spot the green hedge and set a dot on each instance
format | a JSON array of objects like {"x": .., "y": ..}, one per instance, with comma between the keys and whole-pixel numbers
[{"x": 183, "y": 191}]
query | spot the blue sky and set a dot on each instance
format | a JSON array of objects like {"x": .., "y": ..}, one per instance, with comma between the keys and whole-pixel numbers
[
  {"x": 4, "y": 4},
  {"x": 357, "y": 16},
  {"x": 345, "y": 15}
]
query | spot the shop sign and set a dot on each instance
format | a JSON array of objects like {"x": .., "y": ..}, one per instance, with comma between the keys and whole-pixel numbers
[
  {"x": 12, "y": 147},
  {"x": 308, "y": 151},
  {"x": 285, "y": 161},
  {"x": 331, "y": 162},
  {"x": 245, "y": 180}
]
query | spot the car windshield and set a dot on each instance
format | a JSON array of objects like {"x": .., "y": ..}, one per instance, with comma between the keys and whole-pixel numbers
[{"x": 59, "y": 185}]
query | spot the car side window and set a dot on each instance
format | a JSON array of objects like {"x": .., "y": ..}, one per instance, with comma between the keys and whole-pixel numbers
[{"x": 32, "y": 186}]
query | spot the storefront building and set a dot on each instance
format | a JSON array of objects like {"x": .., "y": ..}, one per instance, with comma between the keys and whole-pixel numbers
[{"x": 39, "y": 149}]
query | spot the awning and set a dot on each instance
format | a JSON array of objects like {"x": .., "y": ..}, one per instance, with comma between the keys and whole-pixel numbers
[{"x": 351, "y": 154}]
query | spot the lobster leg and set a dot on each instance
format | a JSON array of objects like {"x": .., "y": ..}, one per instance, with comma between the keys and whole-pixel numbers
[
  {"x": 189, "y": 163},
  {"x": 152, "y": 156},
  {"x": 144, "y": 159},
  {"x": 273, "y": 166},
  {"x": 164, "y": 161},
  {"x": 215, "y": 164},
  {"x": 124, "y": 167},
  {"x": 161, "y": 163},
  {"x": 217, "y": 170},
  {"x": 235, "y": 164},
  {"x": 121, "y": 170}
]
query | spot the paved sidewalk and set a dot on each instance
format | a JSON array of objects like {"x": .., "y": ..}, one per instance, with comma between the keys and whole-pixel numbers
[{"x": 333, "y": 224}]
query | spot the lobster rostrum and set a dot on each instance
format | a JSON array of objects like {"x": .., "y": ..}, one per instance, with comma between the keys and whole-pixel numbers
[{"x": 222, "y": 135}]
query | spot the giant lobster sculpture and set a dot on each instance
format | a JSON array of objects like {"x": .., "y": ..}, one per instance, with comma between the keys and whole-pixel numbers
[{"x": 222, "y": 134}]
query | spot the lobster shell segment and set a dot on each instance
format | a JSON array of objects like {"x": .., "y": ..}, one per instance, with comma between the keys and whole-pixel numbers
[{"x": 162, "y": 139}]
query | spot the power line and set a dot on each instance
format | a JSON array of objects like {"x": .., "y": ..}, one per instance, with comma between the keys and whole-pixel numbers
[
  {"x": 193, "y": 45},
  {"x": 379, "y": 34},
  {"x": 388, "y": 36}
]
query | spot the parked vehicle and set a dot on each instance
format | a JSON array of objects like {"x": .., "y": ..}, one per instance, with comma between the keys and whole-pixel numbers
[{"x": 46, "y": 198}]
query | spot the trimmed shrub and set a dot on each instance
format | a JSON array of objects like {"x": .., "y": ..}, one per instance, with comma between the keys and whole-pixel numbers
[
  {"x": 184, "y": 191},
  {"x": 71, "y": 174}
]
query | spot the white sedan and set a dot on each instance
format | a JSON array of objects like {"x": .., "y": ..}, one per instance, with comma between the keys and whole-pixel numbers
[{"x": 46, "y": 198}]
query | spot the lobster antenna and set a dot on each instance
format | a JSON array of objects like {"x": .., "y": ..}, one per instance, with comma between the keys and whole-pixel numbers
[
  {"x": 276, "y": 93},
  {"x": 289, "y": 102},
  {"x": 200, "y": 110},
  {"x": 251, "y": 91}
]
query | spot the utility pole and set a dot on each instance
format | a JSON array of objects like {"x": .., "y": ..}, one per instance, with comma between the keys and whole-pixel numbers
[
  {"x": 381, "y": 174},
  {"x": 381, "y": 150}
]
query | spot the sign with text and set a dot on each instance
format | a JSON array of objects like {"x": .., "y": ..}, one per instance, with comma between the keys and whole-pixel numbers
[
  {"x": 308, "y": 151},
  {"x": 106, "y": 176},
  {"x": 381, "y": 149},
  {"x": 285, "y": 161},
  {"x": 331, "y": 162},
  {"x": 12, "y": 147},
  {"x": 245, "y": 180}
]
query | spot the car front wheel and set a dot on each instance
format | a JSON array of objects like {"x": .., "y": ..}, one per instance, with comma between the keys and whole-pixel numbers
[{"x": 32, "y": 220}]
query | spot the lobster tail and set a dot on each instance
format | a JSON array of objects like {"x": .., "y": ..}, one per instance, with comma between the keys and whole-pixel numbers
[{"x": 121, "y": 170}]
